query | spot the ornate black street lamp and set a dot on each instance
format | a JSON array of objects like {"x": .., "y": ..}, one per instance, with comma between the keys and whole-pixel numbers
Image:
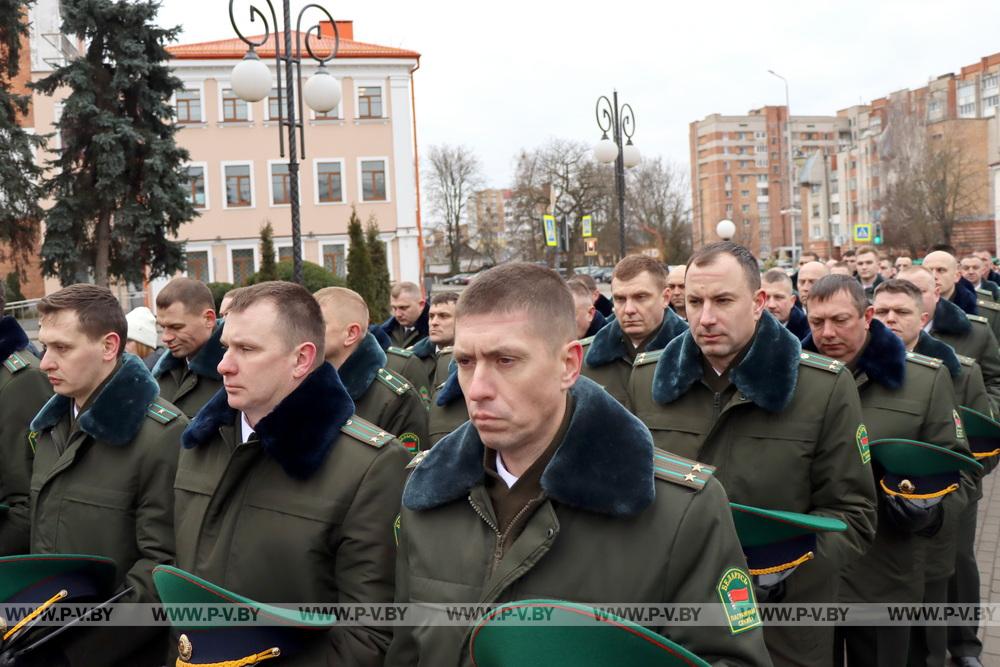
[
  {"x": 251, "y": 81},
  {"x": 620, "y": 122}
]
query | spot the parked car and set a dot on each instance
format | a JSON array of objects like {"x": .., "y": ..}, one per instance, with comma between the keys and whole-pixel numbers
[{"x": 458, "y": 279}]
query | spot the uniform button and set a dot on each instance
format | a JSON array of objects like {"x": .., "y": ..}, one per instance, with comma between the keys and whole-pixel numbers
[{"x": 549, "y": 533}]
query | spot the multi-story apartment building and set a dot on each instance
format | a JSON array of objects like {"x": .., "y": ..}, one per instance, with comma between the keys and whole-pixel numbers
[
  {"x": 361, "y": 155},
  {"x": 487, "y": 221},
  {"x": 740, "y": 171},
  {"x": 840, "y": 180}
]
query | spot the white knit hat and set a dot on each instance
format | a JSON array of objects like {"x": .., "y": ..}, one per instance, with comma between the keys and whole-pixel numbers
[{"x": 142, "y": 326}]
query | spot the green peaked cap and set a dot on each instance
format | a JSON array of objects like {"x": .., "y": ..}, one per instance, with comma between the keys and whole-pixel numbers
[
  {"x": 983, "y": 433},
  {"x": 40, "y": 576},
  {"x": 912, "y": 457},
  {"x": 562, "y": 634},
  {"x": 177, "y": 587},
  {"x": 757, "y": 526}
]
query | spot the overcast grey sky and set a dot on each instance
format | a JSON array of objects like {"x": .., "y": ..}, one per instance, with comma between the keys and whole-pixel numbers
[{"x": 511, "y": 75}]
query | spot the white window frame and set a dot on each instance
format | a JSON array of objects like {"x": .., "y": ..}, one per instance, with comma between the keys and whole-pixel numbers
[
  {"x": 343, "y": 181},
  {"x": 221, "y": 86},
  {"x": 344, "y": 242},
  {"x": 204, "y": 170},
  {"x": 202, "y": 247},
  {"x": 270, "y": 185},
  {"x": 253, "y": 184},
  {"x": 200, "y": 87},
  {"x": 358, "y": 85},
  {"x": 249, "y": 245},
  {"x": 388, "y": 190}
]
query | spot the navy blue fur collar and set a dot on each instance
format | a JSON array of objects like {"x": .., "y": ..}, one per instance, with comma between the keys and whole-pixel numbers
[
  {"x": 205, "y": 362},
  {"x": 883, "y": 359},
  {"x": 421, "y": 324},
  {"x": 452, "y": 390},
  {"x": 424, "y": 348},
  {"x": 950, "y": 319},
  {"x": 929, "y": 346},
  {"x": 12, "y": 337},
  {"x": 596, "y": 324},
  {"x": 798, "y": 323},
  {"x": 298, "y": 433},
  {"x": 116, "y": 414},
  {"x": 964, "y": 297},
  {"x": 614, "y": 478},
  {"x": 766, "y": 375},
  {"x": 360, "y": 369},
  {"x": 381, "y": 336},
  {"x": 609, "y": 343}
]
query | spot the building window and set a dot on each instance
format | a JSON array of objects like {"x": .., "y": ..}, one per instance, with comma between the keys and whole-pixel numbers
[
  {"x": 729, "y": 210},
  {"x": 967, "y": 110},
  {"x": 729, "y": 194},
  {"x": 745, "y": 208},
  {"x": 333, "y": 259},
  {"x": 281, "y": 184},
  {"x": 373, "y": 180},
  {"x": 332, "y": 114},
  {"x": 273, "y": 105},
  {"x": 239, "y": 189},
  {"x": 196, "y": 186},
  {"x": 815, "y": 210},
  {"x": 197, "y": 265},
  {"x": 816, "y": 231},
  {"x": 834, "y": 208},
  {"x": 285, "y": 253},
  {"x": 991, "y": 101},
  {"x": 991, "y": 81},
  {"x": 234, "y": 109},
  {"x": 329, "y": 183},
  {"x": 761, "y": 192},
  {"x": 370, "y": 102},
  {"x": 244, "y": 265},
  {"x": 188, "y": 105},
  {"x": 744, "y": 193}
]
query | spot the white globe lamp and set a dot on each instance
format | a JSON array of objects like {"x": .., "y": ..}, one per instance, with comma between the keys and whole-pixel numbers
[
  {"x": 630, "y": 155},
  {"x": 321, "y": 91},
  {"x": 251, "y": 78},
  {"x": 726, "y": 229},
  {"x": 606, "y": 151}
]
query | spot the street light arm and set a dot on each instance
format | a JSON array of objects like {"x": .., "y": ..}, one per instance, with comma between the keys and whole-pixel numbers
[
  {"x": 628, "y": 121},
  {"x": 605, "y": 116},
  {"x": 254, "y": 12},
  {"x": 315, "y": 29}
]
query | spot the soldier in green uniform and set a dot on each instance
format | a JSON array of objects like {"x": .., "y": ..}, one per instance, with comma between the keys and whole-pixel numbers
[
  {"x": 553, "y": 490},
  {"x": 187, "y": 374},
  {"x": 105, "y": 457},
  {"x": 448, "y": 410},
  {"x": 782, "y": 428},
  {"x": 904, "y": 395},
  {"x": 643, "y": 324},
  {"x": 380, "y": 396},
  {"x": 24, "y": 389},
  {"x": 408, "y": 324},
  {"x": 282, "y": 494},
  {"x": 971, "y": 268},
  {"x": 899, "y": 305},
  {"x": 968, "y": 335},
  {"x": 432, "y": 351}
]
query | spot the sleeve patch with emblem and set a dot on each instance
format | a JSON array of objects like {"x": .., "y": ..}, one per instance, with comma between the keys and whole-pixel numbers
[
  {"x": 395, "y": 529},
  {"x": 959, "y": 429},
  {"x": 736, "y": 593},
  {"x": 411, "y": 441},
  {"x": 861, "y": 436}
]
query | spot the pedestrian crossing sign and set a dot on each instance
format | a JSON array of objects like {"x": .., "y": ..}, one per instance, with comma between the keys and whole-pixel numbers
[
  {"x": 587, "y": 222},
  {"x": 863, "y": 232},
  {"x": 551, "y": 237}
]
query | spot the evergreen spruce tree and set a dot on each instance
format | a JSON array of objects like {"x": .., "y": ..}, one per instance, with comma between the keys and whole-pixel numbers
[
  {"x": 359, "y": 263},
  {"x": 20, "y": 175},
  {"x": 268, "y": 268},
  {"x": 379, "y": 305},
  {"x": 119, "y": 183}
]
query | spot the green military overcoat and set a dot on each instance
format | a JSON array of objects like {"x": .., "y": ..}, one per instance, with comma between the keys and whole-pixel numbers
[
  {"x": 190, "y": 385},
  {"x": 970, "y": 336}
]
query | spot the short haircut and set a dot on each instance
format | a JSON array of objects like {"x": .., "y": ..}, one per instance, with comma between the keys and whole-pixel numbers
[
  {"x": 96, "y": 308},
  {"x": 299, "y": 320},
  {"x": 632, "y": 265},
  {"x": 849, "y": 253},
  {"x": 194, "y": 294},
  {"x": 523, "y": 287},
  {"x": 913, "y": 268},
  {"x": 444, "y": 297},
  {"x": 709, "y": 253},
  {"x": 828, "y": 286},
  {"x": 772, "y": 276},
  {"x": 970, "y": 256},
  {"x": 347, "y": 304},
  {"x": 840, "y": 265},
  {"x": 584, "y": 279},
  {"x": 405, "y": 287},
  {"x": 578, "y": 289},
  {"x": 902, "y": 286},
  {"x": 809, "y": 253},
  {"x": 865, "y": 250}
]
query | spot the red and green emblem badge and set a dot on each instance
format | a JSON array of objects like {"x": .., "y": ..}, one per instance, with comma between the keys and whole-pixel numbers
[
  {"x": 411, "y": 441},
  {"x": 959, "y": 429},
  {"x": 736, "y": 592},
  {"x": 862, "y": 437}
]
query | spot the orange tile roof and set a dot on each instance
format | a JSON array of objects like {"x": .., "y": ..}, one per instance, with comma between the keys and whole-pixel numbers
[{"x": 233, "y": 49}]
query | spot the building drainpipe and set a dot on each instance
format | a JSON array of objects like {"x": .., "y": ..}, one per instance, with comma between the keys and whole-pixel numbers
[{"x": 416, "y": 176}]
